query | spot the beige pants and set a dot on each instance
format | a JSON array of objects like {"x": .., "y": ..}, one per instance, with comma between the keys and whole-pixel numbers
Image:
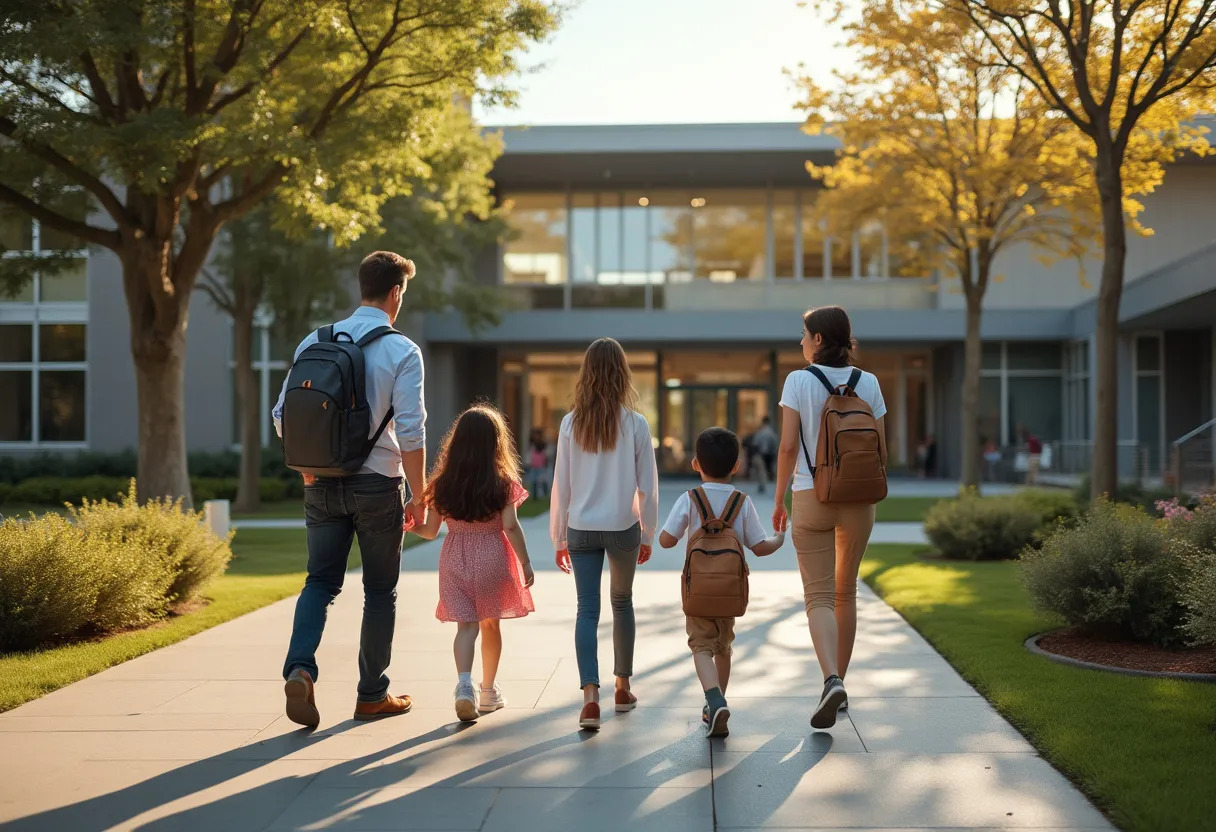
[{"x": 830, "y": 540}]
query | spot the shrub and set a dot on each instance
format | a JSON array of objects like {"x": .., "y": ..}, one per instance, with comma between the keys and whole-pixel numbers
[
  {"x": 1128, "y": 493},
  {"x": 48, "y": 586},
  {"x": 1113, "y": 573},
  {"x": 1196, "y": 526},
  {"x": 164, "y": 533},
  {"x": 56, "y": 581},
  {"x": 1199, "y": 595},
  {"x": 995, "y": 528},
  {"x": 49, "y": 491},
  {"x": 269, "y": 489}
]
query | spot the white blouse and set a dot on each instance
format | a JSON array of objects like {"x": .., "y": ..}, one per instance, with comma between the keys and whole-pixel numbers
[{"x": 609, "y": 491}]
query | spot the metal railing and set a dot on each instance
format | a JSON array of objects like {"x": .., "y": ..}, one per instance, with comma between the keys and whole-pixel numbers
[
  {"x": 1134, "y": 461},
  {"x": 1193, "y": 460}
]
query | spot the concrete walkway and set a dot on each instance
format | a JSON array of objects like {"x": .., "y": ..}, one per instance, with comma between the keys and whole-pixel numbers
[{"x": 193, "y": 737}]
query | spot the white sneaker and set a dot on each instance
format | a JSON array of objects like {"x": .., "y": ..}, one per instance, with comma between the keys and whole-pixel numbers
[
  {"x": 466, "y": 702},
  {"x": 492, "y": 700}
]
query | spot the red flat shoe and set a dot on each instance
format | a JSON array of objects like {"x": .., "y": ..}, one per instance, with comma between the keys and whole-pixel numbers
[
  {"x": 589, "y": 718},
  {"x": 625, "y": 701}
]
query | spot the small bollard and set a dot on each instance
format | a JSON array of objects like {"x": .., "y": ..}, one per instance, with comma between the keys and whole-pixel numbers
[{"x": 215, "y": 517}]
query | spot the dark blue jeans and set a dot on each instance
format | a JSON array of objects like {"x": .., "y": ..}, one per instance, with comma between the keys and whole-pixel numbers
[
  {"x": 587, "y": 553},
  {"x": 335, "y": 510}
]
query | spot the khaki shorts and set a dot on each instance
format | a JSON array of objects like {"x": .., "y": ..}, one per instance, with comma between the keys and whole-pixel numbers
[{"x": 710, "y": 635}]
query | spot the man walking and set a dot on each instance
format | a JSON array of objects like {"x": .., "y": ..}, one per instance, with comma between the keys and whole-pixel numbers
[
  {"x": 764, "y": 443},
  {"x": 377, "y": 503}
]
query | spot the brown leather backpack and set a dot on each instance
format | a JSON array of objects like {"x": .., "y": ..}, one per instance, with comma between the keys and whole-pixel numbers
[
  {"x": 714, "y": 582},
  {"x": 849, "y": 463}
]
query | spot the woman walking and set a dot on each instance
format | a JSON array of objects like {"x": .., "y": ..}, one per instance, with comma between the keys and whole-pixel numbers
[
  {"x": 605, "y": 504},
  {"x": 830, "y": 538}
]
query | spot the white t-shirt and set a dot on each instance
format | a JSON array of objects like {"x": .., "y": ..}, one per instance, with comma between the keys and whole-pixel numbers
[
  {"x": 605, "y": 492},
  {"x": 806, "y": 394},
  {"x": 684, "y": 514}
]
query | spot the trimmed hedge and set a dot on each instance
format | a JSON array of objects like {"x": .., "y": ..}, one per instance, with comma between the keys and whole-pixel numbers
[
  {"x": 110, "y": 566},
  {"x": 123, "y": 465},
  {"x": 972, "y": 527},
  {"x": 55, "y": 491},
  {"x": 1114, "y": 573}
]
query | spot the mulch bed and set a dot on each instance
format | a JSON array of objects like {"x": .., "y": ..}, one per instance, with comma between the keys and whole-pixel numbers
[{"x": 1128, "y": 655}]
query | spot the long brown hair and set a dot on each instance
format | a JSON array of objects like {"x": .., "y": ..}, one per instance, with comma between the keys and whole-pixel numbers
[
  {"x": 477, "y": 464},
  {"x": 605, "y": 385},
  {"x": 832, "y": 323}
]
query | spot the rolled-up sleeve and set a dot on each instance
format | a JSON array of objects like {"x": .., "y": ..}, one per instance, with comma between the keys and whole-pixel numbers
[{"x": 409, "y": 405}]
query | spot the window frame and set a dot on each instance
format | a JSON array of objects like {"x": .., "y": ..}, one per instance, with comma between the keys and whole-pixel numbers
[
  {"x": 263, "y": 367},
  {"x": 36, "y": 312}
]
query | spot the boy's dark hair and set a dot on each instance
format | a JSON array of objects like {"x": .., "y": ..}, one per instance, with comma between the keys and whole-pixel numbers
[
  {"x": 717, "y": 452},
  {"x": 380, "y": 271}
]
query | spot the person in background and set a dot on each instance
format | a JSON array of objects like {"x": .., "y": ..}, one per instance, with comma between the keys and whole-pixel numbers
[
  {"x": 605, "y": 505},
  {"x": 930, "y": 457},
  {"x": 764, "y": 443},
  {"x": 539, "y": 473},
  {"x": 1034, "y": 454},
  {"x": 992, "y": 457}
]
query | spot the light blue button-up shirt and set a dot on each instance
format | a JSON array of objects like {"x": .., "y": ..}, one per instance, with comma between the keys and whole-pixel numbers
[{"x": 394, "y": 377}]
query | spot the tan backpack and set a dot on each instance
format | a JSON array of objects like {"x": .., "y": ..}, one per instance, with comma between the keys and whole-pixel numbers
[
  {"x": 714, "y": 582},
  {"x": 849, "y": 464}
]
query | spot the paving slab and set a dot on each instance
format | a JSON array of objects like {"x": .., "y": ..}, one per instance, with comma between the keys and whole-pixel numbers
[{"x": 194, "y": 737}]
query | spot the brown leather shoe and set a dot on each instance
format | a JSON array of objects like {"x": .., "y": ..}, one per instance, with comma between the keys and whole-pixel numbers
[
  {"x": 301, "y": 703},
  {"x": 625, "y": 701},
  {"x": 589, "y": 717},
  {"x": 388, "y": 706}
]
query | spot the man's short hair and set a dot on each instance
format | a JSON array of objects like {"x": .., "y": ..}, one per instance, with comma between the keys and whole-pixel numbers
[
  {"x": 380, "y": 271},
  {"x": 717, "y": 452}
]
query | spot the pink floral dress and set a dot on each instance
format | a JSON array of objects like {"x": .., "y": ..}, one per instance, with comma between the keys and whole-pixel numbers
[{"x": 479, "y": 574}]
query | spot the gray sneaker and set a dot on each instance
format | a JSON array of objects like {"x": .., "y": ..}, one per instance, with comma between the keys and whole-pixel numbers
[
  {"x": 829, "y": 703},
  {"x": 716, "y": 726},
  {"x": 492, "y": 700},
  {"x": 466, "y": 702}
]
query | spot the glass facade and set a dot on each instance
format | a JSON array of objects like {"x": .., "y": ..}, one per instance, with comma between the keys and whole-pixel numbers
[
  {"x": 619, "y": 248},
  {"x": 1149, "y": 392},
  {"x": 1022, "y": 387},
  {"x": 43, "y": 342}
]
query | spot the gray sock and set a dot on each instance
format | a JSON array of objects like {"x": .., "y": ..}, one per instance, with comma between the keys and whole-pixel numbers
[{"x": 715, "y": 698}]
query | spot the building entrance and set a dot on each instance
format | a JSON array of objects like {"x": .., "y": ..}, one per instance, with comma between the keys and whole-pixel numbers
[{"x": 686, "y": 411}]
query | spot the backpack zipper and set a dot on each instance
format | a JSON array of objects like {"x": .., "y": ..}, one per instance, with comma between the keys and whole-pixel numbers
[{"x": 850, "y": 430}]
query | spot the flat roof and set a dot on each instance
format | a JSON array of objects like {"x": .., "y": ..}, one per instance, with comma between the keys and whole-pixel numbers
[{"x": 766, "y": 137}]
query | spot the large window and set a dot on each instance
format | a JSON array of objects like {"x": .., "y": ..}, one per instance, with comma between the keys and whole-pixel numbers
[
  {"x": 1150, "y": 399},
  {"x": 43, "y": 344},
  {"x": 620, "y": 248},
  {"x": 1027, "y": 380},
  {"x": 42, "y": 381}
]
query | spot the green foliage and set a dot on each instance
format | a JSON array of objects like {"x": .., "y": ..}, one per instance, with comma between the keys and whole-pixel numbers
[
  {"x": 994, "y": 528},
  {"x": 1198, "y": 592},
  {"x": 56, "y": 491},
  {"x": 1198, "y": 526},
  {"x": 163, "y": 532},
  {"x": 1113, "y": 573}
]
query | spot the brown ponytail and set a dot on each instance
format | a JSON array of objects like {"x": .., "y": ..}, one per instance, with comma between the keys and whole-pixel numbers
[{"x": 832, "y": 324}]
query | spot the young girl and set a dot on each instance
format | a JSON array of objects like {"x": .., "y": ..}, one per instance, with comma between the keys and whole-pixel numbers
[{"x": 484, "y": 573}]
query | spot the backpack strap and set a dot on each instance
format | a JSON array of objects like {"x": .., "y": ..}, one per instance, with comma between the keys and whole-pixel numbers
[
  {"x": 700, "y": 500},
  {"x": 730, "y": 512},
  {"x": 326, "y": 333},
  {"x": 376, "y": 333},
  {"x": 388, "y": 417},
  {"x": 854, "y": 379},
  {"x": 818, "y": 373}
]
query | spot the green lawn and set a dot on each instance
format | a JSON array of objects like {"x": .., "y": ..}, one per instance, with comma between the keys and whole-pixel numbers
[
  {"x": 289, "y": 509},
  {"x": 1143, "y": 749},
  {"x": 267, "y": 565},
  {"x": 895, "y": 509}
]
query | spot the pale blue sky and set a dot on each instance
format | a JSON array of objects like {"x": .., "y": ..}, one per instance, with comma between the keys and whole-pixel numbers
[{"x": 672, "y": 61}]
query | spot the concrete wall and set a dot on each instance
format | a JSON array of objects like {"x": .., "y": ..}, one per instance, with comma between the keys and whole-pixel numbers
[
  {"x": 112, "y": 403},
  {"x": 1181, "y": 213}
]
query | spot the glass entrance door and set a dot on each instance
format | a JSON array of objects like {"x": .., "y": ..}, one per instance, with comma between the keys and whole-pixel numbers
[{"x": 689, "y": 410}]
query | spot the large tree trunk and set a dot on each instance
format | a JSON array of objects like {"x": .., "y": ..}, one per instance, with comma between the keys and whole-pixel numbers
[
  {"x": 1104, "y": 473},
  {"x": 160, "y": 361},
  {"x": 972, "y": 354},
  {"x": 248, "y": 496}
]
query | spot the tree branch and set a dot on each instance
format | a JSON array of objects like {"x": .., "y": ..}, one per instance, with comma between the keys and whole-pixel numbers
[
  {"x": 219, "y": 293},
  {"x": 108, "y": 199},
  {"x": 278, "y": 60},
  {"x": 97, "y": 236},
  {"x": 101, "y": 93},
  {"x": 245, "y": 202}
]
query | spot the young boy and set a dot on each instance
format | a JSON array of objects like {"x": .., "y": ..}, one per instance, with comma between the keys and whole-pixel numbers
[{"x": 717, "y": 460}]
